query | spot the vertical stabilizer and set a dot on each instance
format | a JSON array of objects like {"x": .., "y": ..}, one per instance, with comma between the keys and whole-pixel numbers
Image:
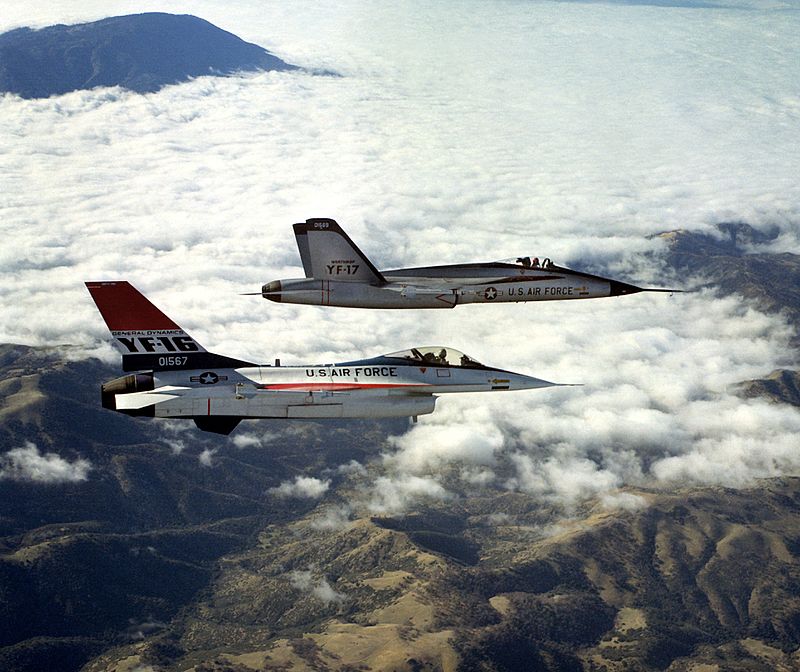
[
  {"x": 148, "y": 339},
  {"x": 329, "y": 254}
]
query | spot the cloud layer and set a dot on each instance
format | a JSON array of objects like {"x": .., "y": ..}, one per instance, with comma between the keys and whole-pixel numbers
[{"x": 457, "y": 132}]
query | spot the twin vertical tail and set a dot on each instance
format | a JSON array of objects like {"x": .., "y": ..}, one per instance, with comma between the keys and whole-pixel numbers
[
  {"x": 329, "y": 254},
  {"x": 148, "y": 339}
]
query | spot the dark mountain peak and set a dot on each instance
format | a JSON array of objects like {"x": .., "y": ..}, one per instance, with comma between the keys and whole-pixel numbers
[
  {"x": 731, "y": 239},
  {"x": 782, "y": 386},
  {"x": 732, "y": 263},
  {"x": 141, "y": 52}
]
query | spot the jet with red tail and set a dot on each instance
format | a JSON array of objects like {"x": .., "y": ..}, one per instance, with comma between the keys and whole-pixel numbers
[{"x": 170, "y": 375}]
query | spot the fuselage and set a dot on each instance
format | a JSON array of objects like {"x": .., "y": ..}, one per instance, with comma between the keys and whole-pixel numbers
[
  {"x": 449, "y": 286},
  {"x": 398, "y": 385}
]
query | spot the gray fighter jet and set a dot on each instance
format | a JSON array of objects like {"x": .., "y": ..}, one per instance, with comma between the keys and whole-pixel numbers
[
  {"x": 175, "y": 377},
  {"x": 339, "y": 274}
]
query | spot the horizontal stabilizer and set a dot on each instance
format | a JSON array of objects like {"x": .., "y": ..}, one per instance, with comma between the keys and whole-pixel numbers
[{"x": 136, "y": 400}]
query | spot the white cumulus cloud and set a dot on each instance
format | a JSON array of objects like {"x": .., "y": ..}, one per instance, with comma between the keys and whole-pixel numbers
[
  {"x": 333, "y": 518},
  {"x": 303, "y": 487},
  {"x": 318, "y": 586},
  {"x": 254, "y": 439},
  {"x": 206, "y": 458},
  {"x": 394, "y": 494},
  {"x": 29, "y": 464}
]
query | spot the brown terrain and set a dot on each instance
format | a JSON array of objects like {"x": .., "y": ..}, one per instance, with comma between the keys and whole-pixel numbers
[{"x": 155, "y": 562}]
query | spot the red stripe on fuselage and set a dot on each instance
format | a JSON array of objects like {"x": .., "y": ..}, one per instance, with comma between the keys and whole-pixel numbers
[{"x": 314, "y": 387}]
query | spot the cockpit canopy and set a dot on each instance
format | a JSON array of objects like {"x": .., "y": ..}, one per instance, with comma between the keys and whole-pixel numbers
[
  {"x": 437, "y": 355},
  {"x": 528, "y": 261}
]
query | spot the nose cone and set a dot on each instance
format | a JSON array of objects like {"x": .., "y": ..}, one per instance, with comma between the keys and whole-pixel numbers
[
  {"x": 272, "y": 291},
  {"x": 619, "y": 288},
  {"x": 518, "y": 381}
]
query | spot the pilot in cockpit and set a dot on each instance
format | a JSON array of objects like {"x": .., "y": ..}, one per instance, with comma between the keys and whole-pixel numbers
[
  {"x": 442, "y": 359},
  {"x": 527, "y": 262}
]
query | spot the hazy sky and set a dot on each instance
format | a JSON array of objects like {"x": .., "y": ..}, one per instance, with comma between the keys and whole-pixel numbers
[{"x": 458, "y": 131}]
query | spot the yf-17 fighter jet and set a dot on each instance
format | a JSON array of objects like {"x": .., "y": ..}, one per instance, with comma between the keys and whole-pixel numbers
[
  {"x": 339, "y": 274},
  {"x": 173, "y": 376}
]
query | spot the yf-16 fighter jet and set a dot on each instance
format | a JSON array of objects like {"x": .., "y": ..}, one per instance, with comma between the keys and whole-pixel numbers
[
  {"x": 173, "y": 376},
  {"x": 339, "y": 274}
]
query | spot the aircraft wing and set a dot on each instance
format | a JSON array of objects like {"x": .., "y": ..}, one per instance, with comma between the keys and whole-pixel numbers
[{"x": 439, "y": 285}]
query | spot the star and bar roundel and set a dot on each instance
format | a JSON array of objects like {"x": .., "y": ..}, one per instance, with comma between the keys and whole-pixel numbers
[{"x": 208, "y": 378}]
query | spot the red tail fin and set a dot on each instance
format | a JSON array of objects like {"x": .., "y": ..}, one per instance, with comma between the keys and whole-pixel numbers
[
  {"x": 125, "y": 308},
  {"x": 147, "y": 337}
]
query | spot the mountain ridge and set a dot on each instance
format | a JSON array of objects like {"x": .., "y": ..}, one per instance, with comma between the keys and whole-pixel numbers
[
  {"x": 731, "y": 263},
  {"x": 157, "y": 559},
  {"x": 140, "y": 52}
]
